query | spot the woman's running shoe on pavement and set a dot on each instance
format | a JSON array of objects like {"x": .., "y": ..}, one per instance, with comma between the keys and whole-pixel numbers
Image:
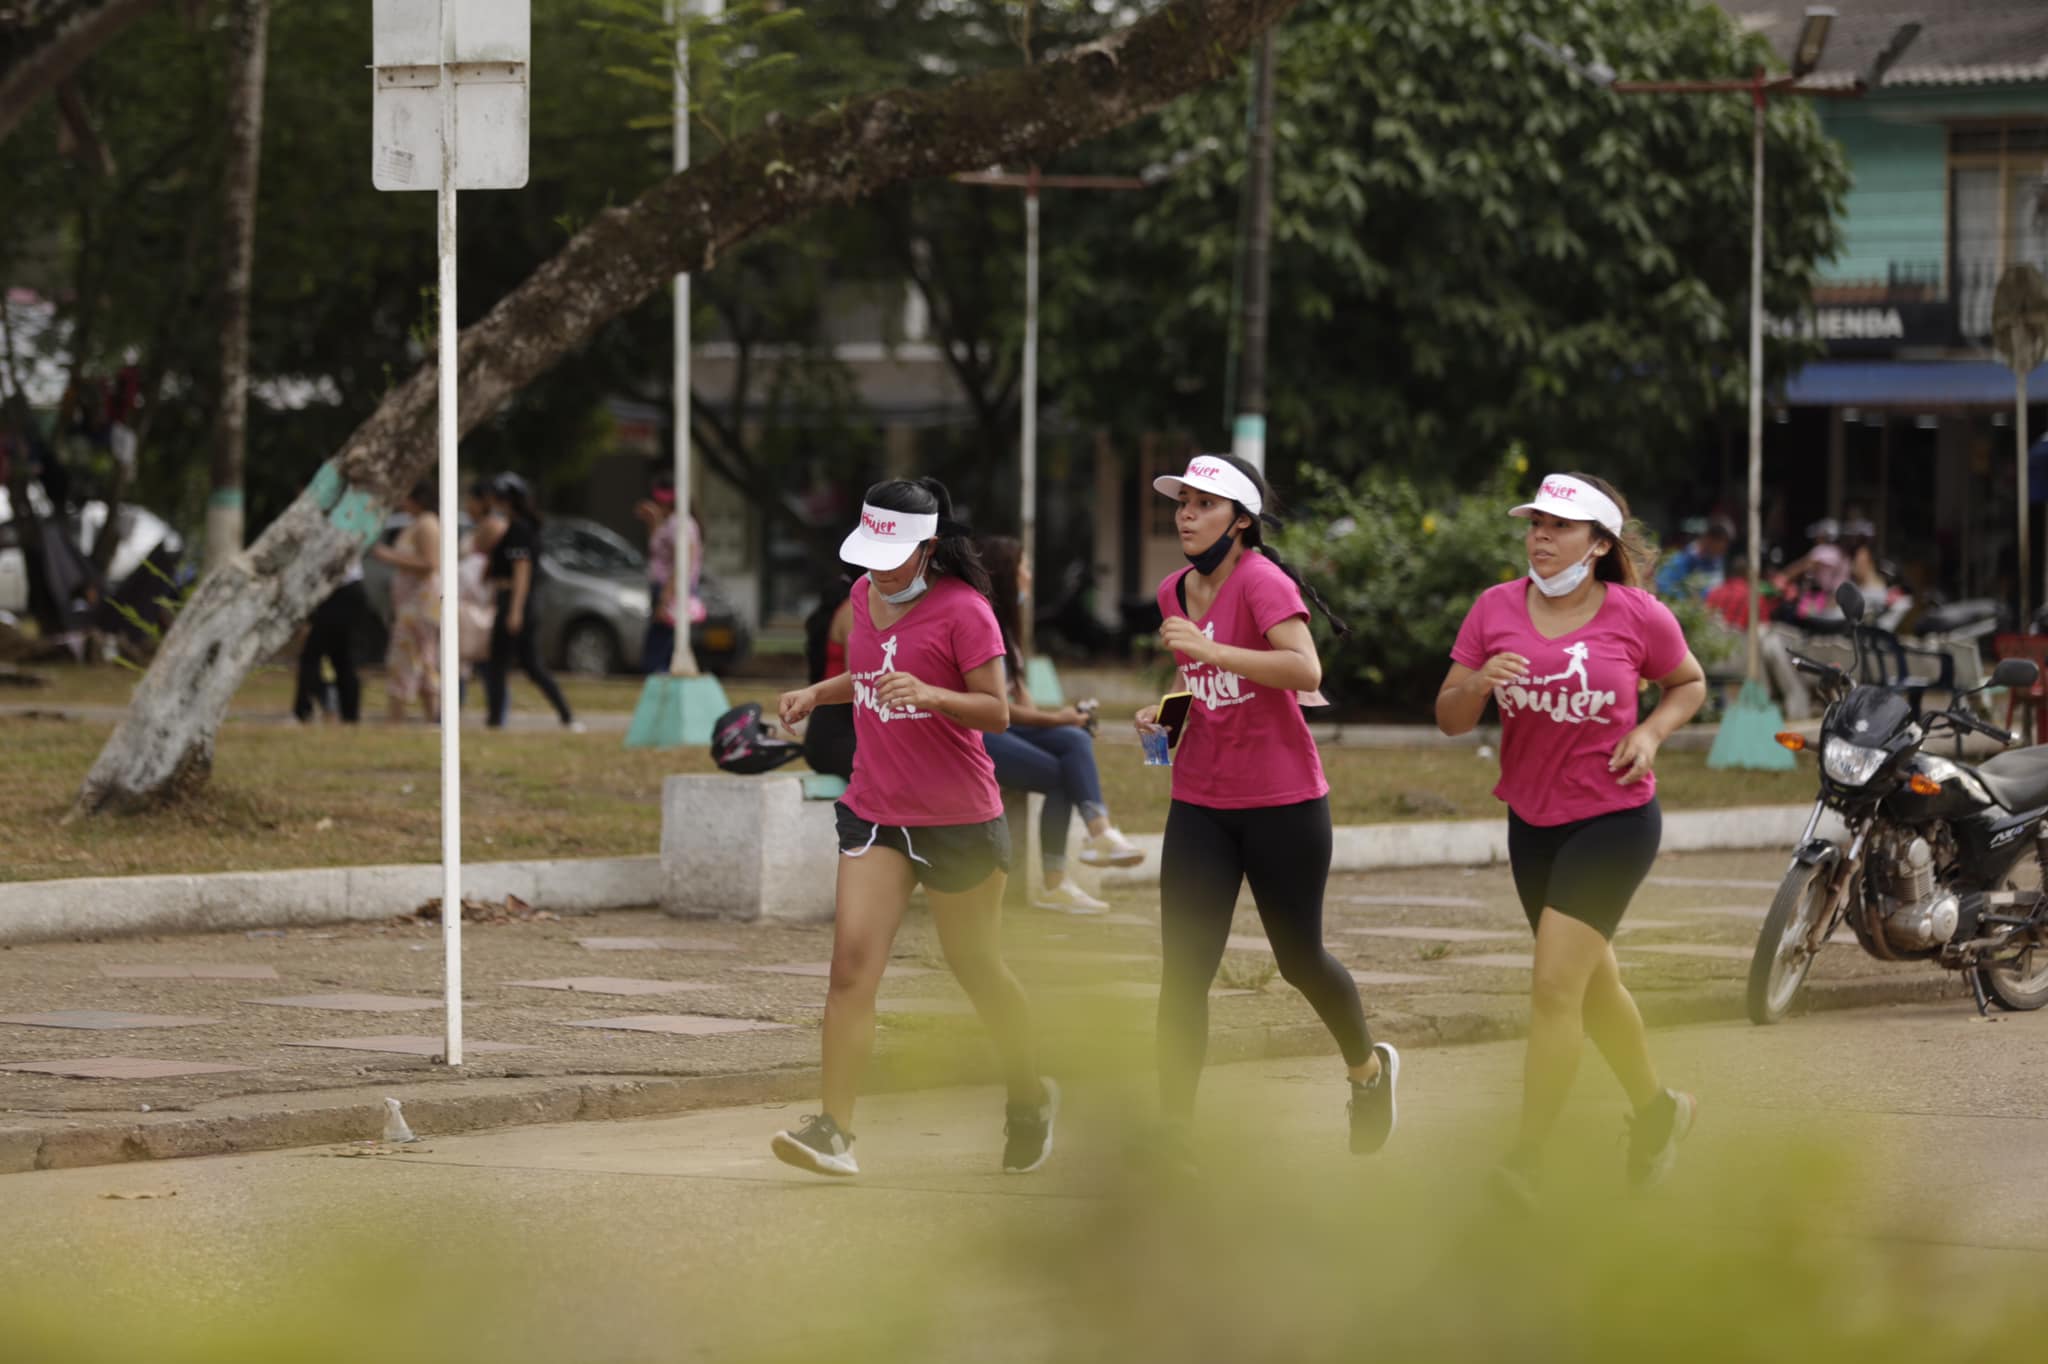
[
  {"x": 1372, "y": 1104},
  {"x": 1654, "y": 1132},
  {"x": 1111, "y": 849},
  {"x": 818, "y": 1146},
  {"x": 1068, "y": 898},
  {"x": 1027, "y": 1131}
]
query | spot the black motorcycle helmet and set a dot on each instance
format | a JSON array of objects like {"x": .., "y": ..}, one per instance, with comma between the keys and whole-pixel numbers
[{"x": 742, "y": 742}]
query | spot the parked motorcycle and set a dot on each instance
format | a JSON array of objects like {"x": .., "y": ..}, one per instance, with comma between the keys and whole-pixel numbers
[{"x": 1942, "y": 861}]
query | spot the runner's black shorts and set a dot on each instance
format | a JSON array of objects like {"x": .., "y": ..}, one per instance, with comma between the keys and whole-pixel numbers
[
  {"x": 1586, "y": 870},
  {"x": 948, "y": 858}
]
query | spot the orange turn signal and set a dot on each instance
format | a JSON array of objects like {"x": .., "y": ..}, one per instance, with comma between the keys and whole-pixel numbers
[
  {"x": 1793, "y": 740},
  {"x": 1924, "y": 785}
]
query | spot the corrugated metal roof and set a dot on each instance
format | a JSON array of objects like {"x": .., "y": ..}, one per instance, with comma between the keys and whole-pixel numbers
[{"x": 1961, "y": 42}]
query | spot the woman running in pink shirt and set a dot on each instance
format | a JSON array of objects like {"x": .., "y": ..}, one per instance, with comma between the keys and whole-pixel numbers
[
  {"x": 1562, "y": 652},
  {"x": 1250, "y": 804},
  {"x": 925, "y": 665}
]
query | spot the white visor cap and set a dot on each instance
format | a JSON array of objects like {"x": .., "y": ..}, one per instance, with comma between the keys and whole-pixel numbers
[
  {"x": 1213, "y": 475},
  {"x": 1574, "y": 499},
  {"x": 886, "y": 539}
]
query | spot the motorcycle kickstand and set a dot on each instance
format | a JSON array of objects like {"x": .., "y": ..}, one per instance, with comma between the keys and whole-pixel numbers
[{"x": 1977, "y": 989}]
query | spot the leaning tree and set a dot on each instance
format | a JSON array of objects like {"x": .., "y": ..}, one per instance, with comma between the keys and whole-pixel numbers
[{"x": 246, "y": 608}]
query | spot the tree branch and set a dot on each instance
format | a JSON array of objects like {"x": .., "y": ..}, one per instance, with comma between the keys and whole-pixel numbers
[{"x": 46, "y": 40}]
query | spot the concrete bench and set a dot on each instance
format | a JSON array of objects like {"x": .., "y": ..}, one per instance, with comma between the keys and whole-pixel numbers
[
  {"x": 756, "y": 848},
  {"x": 746, "y": 848}
]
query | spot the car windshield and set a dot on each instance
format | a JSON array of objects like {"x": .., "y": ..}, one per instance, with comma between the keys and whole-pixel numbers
[{"x": 587, "y": 547}]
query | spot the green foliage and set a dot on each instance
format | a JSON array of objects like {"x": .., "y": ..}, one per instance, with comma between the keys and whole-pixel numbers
[
  {"x": 1470, "y": 246},
  {"x": 1401, "y": 561}
]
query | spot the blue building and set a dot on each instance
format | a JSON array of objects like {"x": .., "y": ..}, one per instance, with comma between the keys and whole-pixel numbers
[{"x": 1908, "y": 416}]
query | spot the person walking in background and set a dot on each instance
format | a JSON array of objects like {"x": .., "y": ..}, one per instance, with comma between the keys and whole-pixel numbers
[
  {"x": 1051, "y": 752},
  {"x": 657, "y": 651},
  {"x": 925, "y": 681},
  {"x": 1563, "y": 652},
  {"x": 1250, "y": 803},
  {"x": 331, "y": 639},
  {"x": 514, "y": 563},
  {"x": 412, "y": 658}
]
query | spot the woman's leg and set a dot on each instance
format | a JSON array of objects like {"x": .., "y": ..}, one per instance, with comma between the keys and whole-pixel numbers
[
  {"x": 1200, "y": 869},
  {"x": 1617, "y": 1030},
  {"x": 1080, "y": 786},
  {"x": 1568, "y": 953},
  {"x": 498, "y": 664},
  {"x": 873, "y": 890},
  {"x": 536, "y": 672},
  {"x": 1287, "y": 864},
  {"x": 970, "y": 927},
  {"x": 1023, "y": 766}
]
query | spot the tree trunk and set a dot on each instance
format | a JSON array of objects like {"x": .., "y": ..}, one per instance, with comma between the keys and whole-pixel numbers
[
  {"x": 44, "y": 41},
  {"x": 249, "y": 24},
  {"x": 244, "y": 611}
]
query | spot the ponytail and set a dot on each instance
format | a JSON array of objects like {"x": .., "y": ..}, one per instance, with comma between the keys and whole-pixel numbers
[{"x": 1253, "y": 537}]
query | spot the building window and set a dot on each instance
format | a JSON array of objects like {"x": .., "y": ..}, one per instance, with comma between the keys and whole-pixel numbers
[{"x": 1998, "y": 212}]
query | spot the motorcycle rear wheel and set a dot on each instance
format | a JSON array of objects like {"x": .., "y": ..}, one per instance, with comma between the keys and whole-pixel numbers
[{"x": 1778, "y": 968}]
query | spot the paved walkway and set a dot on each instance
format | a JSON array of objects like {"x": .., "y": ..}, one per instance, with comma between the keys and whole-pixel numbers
[{"x": 129, "y": 1048}]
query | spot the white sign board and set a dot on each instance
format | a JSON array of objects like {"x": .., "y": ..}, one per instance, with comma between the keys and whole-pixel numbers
[{"x": 486, "y": 47}]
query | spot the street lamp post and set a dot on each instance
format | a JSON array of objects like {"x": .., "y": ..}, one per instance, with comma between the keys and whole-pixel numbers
[{"x": 1031, "y": 182}]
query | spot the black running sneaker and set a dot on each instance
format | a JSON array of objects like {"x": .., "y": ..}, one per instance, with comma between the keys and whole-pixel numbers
[
  {"x": 1654, "y": 1132},
  {"x": 818, "y": 1146},
  {"x": 1372, "y": 1104},
  {"x": 1027, "y": 1132}
]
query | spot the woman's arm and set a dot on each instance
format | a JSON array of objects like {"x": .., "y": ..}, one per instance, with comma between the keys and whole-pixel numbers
[
  {"x": 982, "y": 706},
  {"x": 1685, "y": 691},
  {"x": 522, "y": 584},
  {"x": 1023, "y": 711},
  {"x": 1466, "y": 691},
  {"x": 1289, "y": 665}
]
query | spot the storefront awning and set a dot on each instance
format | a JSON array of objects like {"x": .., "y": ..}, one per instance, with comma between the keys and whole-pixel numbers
[{"x": 1909, "y": 383}]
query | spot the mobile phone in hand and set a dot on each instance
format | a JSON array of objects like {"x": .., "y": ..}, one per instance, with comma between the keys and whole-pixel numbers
[{"x": 1173, "y": 714}]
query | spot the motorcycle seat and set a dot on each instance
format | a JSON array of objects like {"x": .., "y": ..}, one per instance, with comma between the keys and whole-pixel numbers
[{"x": 2018, "y": 780}]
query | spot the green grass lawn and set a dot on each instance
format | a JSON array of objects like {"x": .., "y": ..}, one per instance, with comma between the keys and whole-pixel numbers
[{"x": 285, "y": 796}]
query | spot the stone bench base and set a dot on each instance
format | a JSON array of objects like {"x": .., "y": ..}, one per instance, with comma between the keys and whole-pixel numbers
[{"x": 753, "y": 848}]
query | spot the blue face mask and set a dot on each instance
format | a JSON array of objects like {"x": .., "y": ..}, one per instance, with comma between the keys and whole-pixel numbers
[{"x": 912, "y": 591}]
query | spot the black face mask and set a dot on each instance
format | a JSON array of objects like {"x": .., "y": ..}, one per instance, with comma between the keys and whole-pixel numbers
[{"x": 1211, "y": 559}]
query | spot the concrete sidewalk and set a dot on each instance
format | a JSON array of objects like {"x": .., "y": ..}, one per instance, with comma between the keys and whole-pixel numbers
[{"x": 1441, "y": 955}]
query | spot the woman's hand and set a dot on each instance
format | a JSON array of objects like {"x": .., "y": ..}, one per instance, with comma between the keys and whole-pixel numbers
[
  {"x": 796, "y": 706},
  {"x": 1146, "y": 721},
  {"x": 1071, "y": 716},
  {"x": 901, "y": 691},
  {"x": 1634, "y": 755},
  {"x": 1179, "y": 634},
  {"x": 1502, "y": 669}
]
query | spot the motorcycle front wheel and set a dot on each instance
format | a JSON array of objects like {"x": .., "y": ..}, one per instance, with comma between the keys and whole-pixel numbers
[
  {"x": 1779, "y": 966},
  {"x": 2020, "y": 984}
]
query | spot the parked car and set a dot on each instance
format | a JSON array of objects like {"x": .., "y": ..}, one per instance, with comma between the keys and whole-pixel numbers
[{"x": 594, "y": 603}]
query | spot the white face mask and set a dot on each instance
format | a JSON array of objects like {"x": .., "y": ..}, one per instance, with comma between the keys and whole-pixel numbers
[
  {"x": 1565, "y": 581},
  {"x": 913, "y": 590}
]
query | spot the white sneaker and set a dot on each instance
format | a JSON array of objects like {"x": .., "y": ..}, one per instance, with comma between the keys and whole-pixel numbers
[
  {"x": 1068, "y": 898},
  {"x": 1111, "y": 849}
]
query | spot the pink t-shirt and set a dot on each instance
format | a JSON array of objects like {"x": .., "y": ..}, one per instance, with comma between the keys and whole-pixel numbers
[
  {"x": 1244, "y": 746},
  {"x": 1559, "y": 729},
  {"x": 917, "y": 768}
]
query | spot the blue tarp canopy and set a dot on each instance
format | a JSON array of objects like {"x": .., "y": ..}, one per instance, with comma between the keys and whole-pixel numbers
[{"x": 1909, "y": 383}]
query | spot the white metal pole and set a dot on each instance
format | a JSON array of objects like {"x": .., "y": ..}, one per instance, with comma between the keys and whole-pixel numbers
[
  {"x": 682, "y": 662},
  {"x": 1756, "y": 385},
  {"x": 1027, "y": 516},
  {"x": 451, "y": 654}
]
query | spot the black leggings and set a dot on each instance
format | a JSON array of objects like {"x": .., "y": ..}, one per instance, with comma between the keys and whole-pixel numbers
[
  {"x": 1284, "y": 852},
  {"x": 332, "y": 636},
  {"x": 524, "y": 648},
  {"x": 1586, "y": 870}
]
